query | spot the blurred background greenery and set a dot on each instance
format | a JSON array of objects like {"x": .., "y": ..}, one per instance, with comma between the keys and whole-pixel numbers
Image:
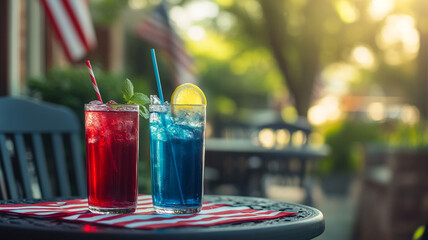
[{"x": 351, "y": 68}]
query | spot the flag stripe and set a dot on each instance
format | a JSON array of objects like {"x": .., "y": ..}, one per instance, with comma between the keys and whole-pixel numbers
[
  {"x": 68, "y": 33},
  {"x": 72, "y": 25},
  {"x": 73, "y": 19},
  {"x": 51, "y": 17},
  {"x": 156, "y": 29},
  {"x": 152, "y": 30},
  {"x": 85, "y": 22}
]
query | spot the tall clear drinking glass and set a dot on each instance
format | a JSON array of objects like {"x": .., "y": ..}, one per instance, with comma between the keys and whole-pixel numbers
[
  {"x": 112, "y": 157},
  {"x": 177, "y": 157}
]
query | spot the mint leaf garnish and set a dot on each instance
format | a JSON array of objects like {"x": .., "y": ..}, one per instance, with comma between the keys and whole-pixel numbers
[
  {"x": 138, "y": 98},
  {"x": 127, "y": 90},
  {"x": 144, "y": 112}
]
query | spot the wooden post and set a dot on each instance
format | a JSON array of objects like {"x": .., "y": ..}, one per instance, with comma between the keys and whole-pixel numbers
[
  {"x": 35, "y": 42},
  {"x": 14, "y": 47},
  {"x": 109, "y": 50},
  {"x": 4, "y": 63}
]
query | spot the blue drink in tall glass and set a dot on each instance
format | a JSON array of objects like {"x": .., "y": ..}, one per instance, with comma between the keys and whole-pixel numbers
[{"x": 177, "y": 152}]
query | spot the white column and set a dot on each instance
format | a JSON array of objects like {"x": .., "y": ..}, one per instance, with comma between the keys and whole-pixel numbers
[
  {"x": 35, "y": 39},
  {"x": 14, "y": 47}
]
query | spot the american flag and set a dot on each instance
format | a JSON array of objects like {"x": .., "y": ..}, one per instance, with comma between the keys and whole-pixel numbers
[
  {"x": 144, "y": 217},
  {"x": 72, "y": 24},
  {"x": 158, "y": 31}
]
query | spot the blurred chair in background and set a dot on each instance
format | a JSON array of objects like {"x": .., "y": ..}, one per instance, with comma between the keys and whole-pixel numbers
[
  {"x": 394, "y": 198},
  {"x": 272, "y": 160}
]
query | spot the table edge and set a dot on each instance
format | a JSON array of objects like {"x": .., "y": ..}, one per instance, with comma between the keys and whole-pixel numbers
[{"x": 317, "y": 223}]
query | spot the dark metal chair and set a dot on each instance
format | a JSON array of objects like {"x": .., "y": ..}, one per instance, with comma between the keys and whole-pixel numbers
[
  {"x": 241, "y": 162},
  {"x": 40, "y": 149}
]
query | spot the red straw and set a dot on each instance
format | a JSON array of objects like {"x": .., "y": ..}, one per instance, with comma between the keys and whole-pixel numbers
[{"x": 94, "y": 83}]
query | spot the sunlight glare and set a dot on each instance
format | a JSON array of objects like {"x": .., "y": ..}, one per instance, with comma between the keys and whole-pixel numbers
[
  {"x": 347, "y": 11},
  {"x": 410, "y": 114},
  {"x": 363, "y": 56},
  {"x": 200, "y": 10},
  {"x": 180, "y": 17},
  {"x": 327, "y": 109},
  {"x": 282, "y": 137},
  {"x": 196, "y": 33},
  {"x": 316, "y": 115},
  {"x": 298, "y": 138},
  {"x": 399, "y": 38},
  {"x": 378, "y": 9},
  {"x": 267, "y": 138},
  {"x": 376, "y": 111}
]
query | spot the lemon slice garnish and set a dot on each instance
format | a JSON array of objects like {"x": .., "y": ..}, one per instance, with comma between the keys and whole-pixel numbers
[{"x": 188, "y": 94}]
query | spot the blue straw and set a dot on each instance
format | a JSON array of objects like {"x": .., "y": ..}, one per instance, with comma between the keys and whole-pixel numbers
[
  {"x": 155, "y": 66},
  {"x": 158, "y": 82}
]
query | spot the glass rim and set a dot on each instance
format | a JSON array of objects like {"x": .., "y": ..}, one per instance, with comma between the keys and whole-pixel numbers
[
  {"x": 181, "y": 105},
  {"x": 105, "y": 107}
]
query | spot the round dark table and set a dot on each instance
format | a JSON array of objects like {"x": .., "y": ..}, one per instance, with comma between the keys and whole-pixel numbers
[{"x": 306, "y": 224}]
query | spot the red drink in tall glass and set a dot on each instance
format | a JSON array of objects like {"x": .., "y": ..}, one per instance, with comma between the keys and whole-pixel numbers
[{"x": 112, "y": 157}]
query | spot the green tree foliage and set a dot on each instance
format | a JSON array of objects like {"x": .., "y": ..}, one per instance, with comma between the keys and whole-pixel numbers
[
  {"x": 342, "y": 139},
  {"x": 256, "y": 52},
  {"x": 106, "y": 12},
  {"x": 304, "y": 37}
]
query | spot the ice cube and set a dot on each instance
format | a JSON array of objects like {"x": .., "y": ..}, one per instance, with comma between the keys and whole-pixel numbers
[
  {"x": 196, "y": 121},
  {"x": 191, "y": 118},
  {"x": 154, "y": 99},
  {"x": 95, "y": 102},
  {"x": 154, "y": 118},
  {"x": 186, "y": 134},
  {"x": 111, "y": 102},
  {"x": 157, "y": 132}
]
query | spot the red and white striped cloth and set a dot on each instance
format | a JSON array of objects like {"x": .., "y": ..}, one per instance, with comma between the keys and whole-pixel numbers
[
  {"x": 144, "y": 217},
  {"x": 72, "y": 24}
]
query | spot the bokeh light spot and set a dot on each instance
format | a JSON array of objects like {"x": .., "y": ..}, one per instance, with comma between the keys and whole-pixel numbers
[
  {"x": 347, "y": 11},
  {"x": 378, "y": 9},
  {"x": 267, "y": 138},
  {"x": 282, "y": 137},
  {"x": 410, "y": 114},
  {"x": 363, "y": 56},
  {"x": 196, "y": 33},
  {"x": 376, "y": 111}
]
